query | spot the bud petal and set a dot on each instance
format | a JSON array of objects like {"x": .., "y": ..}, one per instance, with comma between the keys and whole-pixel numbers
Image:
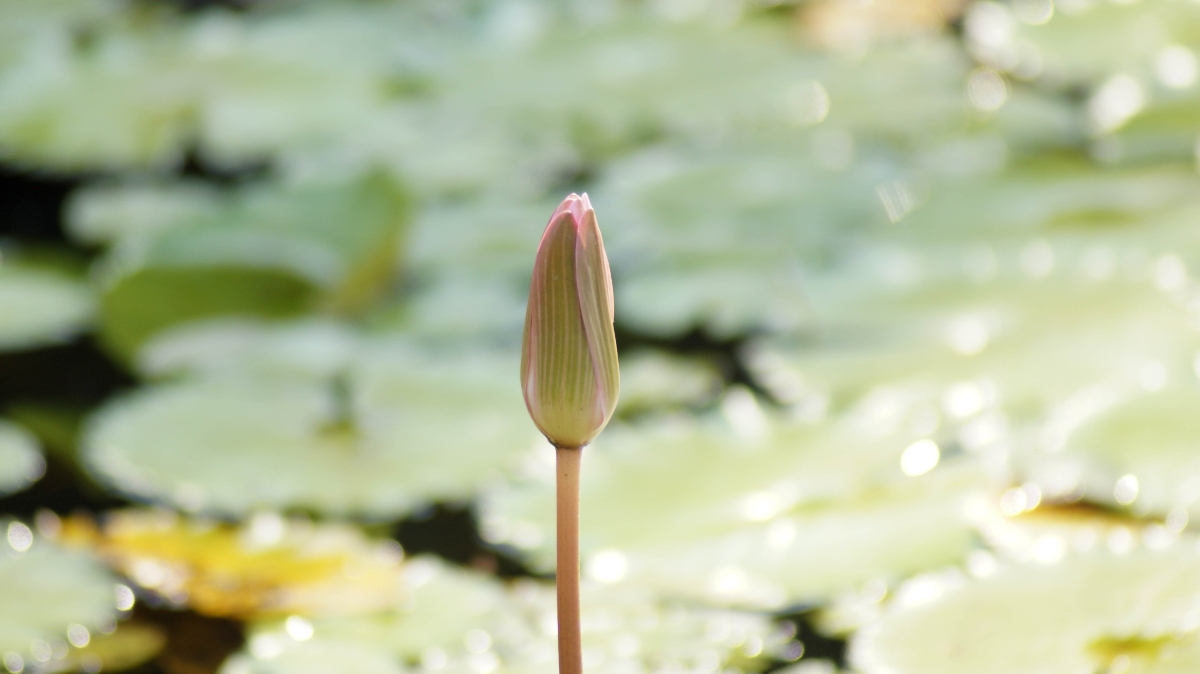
[{"x": 569, "y": 370}]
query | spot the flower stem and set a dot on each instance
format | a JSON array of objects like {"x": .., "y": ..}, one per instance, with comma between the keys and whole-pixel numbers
[{"x": 570, "y": 648}]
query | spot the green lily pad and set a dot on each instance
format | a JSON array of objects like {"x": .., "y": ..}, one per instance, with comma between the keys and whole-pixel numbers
[
  {"x": 1135, "y": 612},
  {"x": 394, "y": 430},
  {"x": 311, "y": 656},
  {"x": 1079, "y": 43},
  {"x": 125, "y": 101},
  {"x": 810, "y": 555},
  {"x": 51, "y": 600},
  {"x": 725, "y": 301},
  {"x": 441, "y": 605},
  {"x": 273, "y": 252},
  {"x": 106, "y": 214},
  {"x": 282, "y": 81},
  {"x": 489, "y": 233},
  {"x": 996, "y": 344},
  {"x": 316, "y": 348},
  {"x": 1047, "y": 196},
  {"x": 510, "y": 629},
  {"x": 40, "y": 307},
  {"x": 464, "y": 305},
  {"x": 1134, "y": 451},
  {"x": 21, "y": 461},
  {"x": 751, "y": 521},
  {"x": 657, "y": 381}
]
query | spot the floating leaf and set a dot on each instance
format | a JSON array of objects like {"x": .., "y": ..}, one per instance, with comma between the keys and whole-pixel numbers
[
  {"x": 1126, "y": 450},
  {"x": 654, "y": 380},
  {"x": 268, "y": 567},
  {"x": 797, "y": 514},
  {"x": 132, "y": 644},
  {"x": 1086, "y": 613},
  {"x": 21, "y": 461},
  {"x": 272, "y": 252},
  {"x": 125, "y": 101},
  {"x": 394, "y": 430},
  {"x": 459, "y": 621},
  {"x": 40, "y": 307},
  {"x": 51, "y": 600},
  {"x": 314, "y": 348},
  {"x": 108, "y": 213}
]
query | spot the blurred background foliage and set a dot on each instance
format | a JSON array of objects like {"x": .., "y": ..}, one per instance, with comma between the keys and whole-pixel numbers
[{"x": 905, "y": 304}]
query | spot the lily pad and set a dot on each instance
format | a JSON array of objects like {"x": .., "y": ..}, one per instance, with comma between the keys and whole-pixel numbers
[
  {"x": 311, "y": 657},
  {"x": 315, "y": 348},
  {"x": 441, "y": 606},
  {"x": 106, "y": 214},
  {"x": 268, "y": 567},
  {"x": 132, "y": 644},
  {"x": 395, "y": 430},
  {"x": 740, "y": 521},
  {"x": 810, "y": 555},
  {"x": 461, "y": 621},
  {"x": 21, "y": 461},
  {"x": 461, "y": 305},
  {"x": 125, "y": 101},
  {"x": 725, "y": 301},
  {"x": 657, "y": 381},
  {"x": 1135, "y": 451},
  {"x": 273, "y": 252},
  {"x": 40, "y": 307},
  {"x": 51, "y": 600},
  {"x": 986, "y": 344},
  {"x": 1095, "y": 612}
]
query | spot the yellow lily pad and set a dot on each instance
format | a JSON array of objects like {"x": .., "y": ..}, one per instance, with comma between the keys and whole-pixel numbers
[{"x": 269, "y": 566}]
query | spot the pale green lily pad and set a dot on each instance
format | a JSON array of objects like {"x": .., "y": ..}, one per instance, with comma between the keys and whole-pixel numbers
[
  {"x": 241, "y": 87},
  {"x": 125, "y": 101},
  {"x": 752, "y": 520},
  {"x": 1080, "y": 42},
  {"x": 315, "y": 348},
  {"x": 654, "y": 380},
  {"x": 313, "y": 657},
  {"x": 40, "y": 307},
  {"x": 274, "y": 251},
  {"x": 687, "y": 77},
  {"x": 28, "y": 24},
  {"x": 987, "y": 343},
  {"x": 106, "y": 214},
  {"x": 442, "y": 607},
  {"x": 460, "y": 304},
  {"x": 461, "y": 621},
  {"x": 673, "y": 205},
  {"x": 1047, "y": 195},
  {"x": 21, "y": 462},
  {"x": 810, "y": 555},
  {"x": 49, "y": 597},
  {"x": 726, "y": 301},
  {"x": 396, "y": 429},
  {"x": 488, "y": 233},
  {"x": 288, "y": 81},
  {"x": 1126, "y": 450},
  {"x": 1136, "y": 612}
]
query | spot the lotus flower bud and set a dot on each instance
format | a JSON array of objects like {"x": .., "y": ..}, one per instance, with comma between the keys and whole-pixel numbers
[{"x": 569, "y": 355}]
